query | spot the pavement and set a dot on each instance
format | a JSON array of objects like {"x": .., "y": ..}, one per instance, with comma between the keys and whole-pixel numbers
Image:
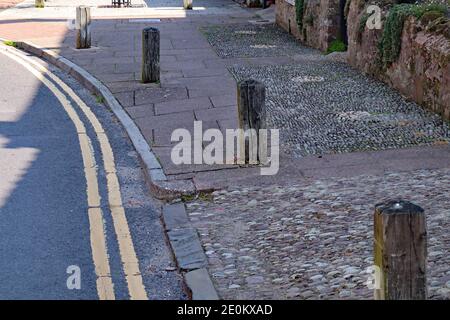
[
  {"x": 196, "y": 83},
  {"x": 48, "y": 227},
  {"x": 115, "y": 60},
  {"x": 200, "y": 61}
]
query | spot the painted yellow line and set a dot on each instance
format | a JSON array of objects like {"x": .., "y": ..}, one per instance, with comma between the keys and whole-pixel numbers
[
  {"x": 105, "y": 287},
  {"x": 126, "y": 248},
  {"x": 127, "y": 252}
]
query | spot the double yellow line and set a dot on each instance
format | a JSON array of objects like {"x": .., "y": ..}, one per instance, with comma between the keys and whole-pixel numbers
[{"x": 105, "y": 286}]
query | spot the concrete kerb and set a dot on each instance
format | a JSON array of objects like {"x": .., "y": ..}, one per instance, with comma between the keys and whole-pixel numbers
[
  {"x": 188, "y": 252},
  {"x": 157, "y": 181}
]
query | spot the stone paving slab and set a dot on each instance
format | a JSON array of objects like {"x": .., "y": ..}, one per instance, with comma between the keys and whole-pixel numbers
[
  {"x": 187, "y": 249},
  {"x": 201, "y": 285},
  {"x": 175, "y": 217},
  {"x": 293, "y": 171}
]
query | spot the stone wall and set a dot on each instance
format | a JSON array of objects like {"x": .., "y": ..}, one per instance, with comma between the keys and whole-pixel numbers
[
  {"x": 320, "y": 21},
  {"x": 422, "y": 70}
]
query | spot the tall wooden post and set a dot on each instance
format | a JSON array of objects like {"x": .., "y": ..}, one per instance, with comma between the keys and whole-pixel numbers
[
  {"x": 39, "y": 3},
  {"x": 187, "y": 4},
  {"x": 150, "y": 55},
  {"x": 400, "y": 250},
  {"x": 83, "y": 27},
  {"x": 252, "y": 118}
]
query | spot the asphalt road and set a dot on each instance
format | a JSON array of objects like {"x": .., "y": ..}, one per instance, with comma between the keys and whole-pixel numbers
[{"x": 44, "y": 221}]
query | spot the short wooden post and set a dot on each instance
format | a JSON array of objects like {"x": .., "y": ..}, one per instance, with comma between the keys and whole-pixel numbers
[
  {"x": 83, "y": 27},
  {"x": 187, "y": 4},
  {"x": 400, "y": 250},
  {"x": 252, "y": 115},
  {"x": 39, "y": 3},
  {"x": 150, "y": 55}
]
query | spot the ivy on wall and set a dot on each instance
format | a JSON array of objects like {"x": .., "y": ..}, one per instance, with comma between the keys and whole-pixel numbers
[{"x": 390, "y": 43}]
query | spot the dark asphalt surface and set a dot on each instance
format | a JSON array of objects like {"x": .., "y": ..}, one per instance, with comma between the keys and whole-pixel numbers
[{"x": 44, "y": 226}]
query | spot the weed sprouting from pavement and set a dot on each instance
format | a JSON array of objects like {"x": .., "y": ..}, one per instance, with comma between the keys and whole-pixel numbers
[
  {"x": 99, "y": 99},
  {"x": 10, "y": 43}
]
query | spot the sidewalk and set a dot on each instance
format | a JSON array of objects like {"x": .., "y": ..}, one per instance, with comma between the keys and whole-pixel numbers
[
  {"x": 339, "y": 128},
  {"x": 190, "y": 71},
  {"x": 5, "y": 4},
  {"x": 197, "y": 85}
]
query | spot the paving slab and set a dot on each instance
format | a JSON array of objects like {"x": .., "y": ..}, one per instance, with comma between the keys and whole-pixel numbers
[
  {"x": 201, "y": 286},
  {"x": 175, "y": 217},
  {"x": 188, "y": 250}
]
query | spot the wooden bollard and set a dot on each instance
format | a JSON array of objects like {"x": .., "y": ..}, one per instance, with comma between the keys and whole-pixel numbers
[
  {"x": 150, "y": 55},
  {"x": 187, "y": 4},
  {"x": 83, "y": 27},
  {"x": 252, "y": 115},
  {"x": 39, "y": 3},
  {"x": 400, "y": 251}
]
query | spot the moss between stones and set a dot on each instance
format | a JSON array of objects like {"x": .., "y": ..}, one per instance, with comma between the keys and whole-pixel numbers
[
  {"x": 299, "y": 12},
  {"x": 390, "y": 43}
]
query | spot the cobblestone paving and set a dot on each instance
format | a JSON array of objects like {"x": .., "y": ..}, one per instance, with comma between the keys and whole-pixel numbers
[
  {"x": 328, "y": 107},
  {"x": 249, "y": 40},
  {"x": 315, "y": 240},
  {"x": 323, "y": 106}
]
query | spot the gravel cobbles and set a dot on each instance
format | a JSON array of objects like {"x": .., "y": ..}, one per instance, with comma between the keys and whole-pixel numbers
[
  {"x": 314, "y": 240},
  {"x": 328, "y": 107},
  {"x": 250, "y": 40},
  {"x": 323, "y": 106}
]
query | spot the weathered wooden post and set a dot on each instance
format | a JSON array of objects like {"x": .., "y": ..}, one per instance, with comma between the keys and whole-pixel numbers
[
  {"x": 150, "y": 55},
  {"x": 83, "y": 27},
  {"x": 252, "y": 117},
  {"x": 400, "y": 250},
  {"x": 39, "y": 3},
  {"x": 187, "y": 4}
]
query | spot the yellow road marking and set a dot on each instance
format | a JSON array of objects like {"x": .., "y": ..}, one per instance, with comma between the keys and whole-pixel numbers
[
  {"x": 105, "y": 287},
  {"x": 127, "y": 252}
]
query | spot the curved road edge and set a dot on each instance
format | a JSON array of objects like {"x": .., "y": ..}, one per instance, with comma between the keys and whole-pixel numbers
[
  {"x": 197, "y": 280},
  {"x": 98, "y": 242}
]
